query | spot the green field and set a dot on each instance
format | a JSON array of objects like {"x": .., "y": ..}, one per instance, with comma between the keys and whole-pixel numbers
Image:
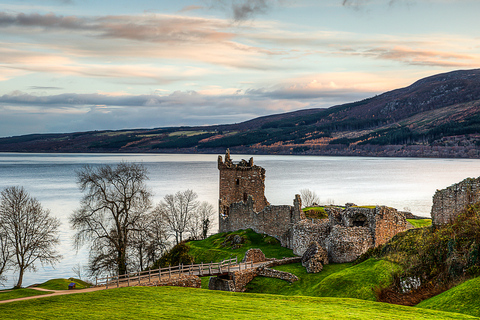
[
  {"x": 187, "y": 303},
  {"x": 464, "y": 298},
  {"x": 215, "y": 249},
  {"x": 20, "y": 293},
  {"x": 420, "y": 223},
  {"x": 335, "y": 280}
]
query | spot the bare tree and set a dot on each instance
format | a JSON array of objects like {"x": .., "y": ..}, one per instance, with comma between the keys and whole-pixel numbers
[
  {"x": 5, "y": 254},
  {"x": 150, "y": 241},
  {"x": 178, "y": 210},
  {"x": 309, "y": 197},
  {"x": 114, "y": 203},
  {"x": 202, "y": 221},
  {"x": 78, "y": 270},
  {"x": 31, "y": 233}
]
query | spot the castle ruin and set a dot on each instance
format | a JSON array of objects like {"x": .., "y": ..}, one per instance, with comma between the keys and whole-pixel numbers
[
  {"x": 345, "y": 235},
  {"x": 448, "y": 203}
]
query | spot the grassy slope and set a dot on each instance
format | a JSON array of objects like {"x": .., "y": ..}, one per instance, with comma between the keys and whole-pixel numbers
[
  {"x": 335, "y": 280},
  {"x": 419, "y": 223},
  {"x": 20, "y": 293},
  {"x": 463, "y": 298},
  {"x": 211, "y": 249},
  {"x": 306, "y": 286},
  {"x": 62, "y": 284},
  {"x": 186, "y": 303}
]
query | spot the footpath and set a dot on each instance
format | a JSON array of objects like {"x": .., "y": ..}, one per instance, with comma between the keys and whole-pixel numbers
[{"x": 54, "y": 293}]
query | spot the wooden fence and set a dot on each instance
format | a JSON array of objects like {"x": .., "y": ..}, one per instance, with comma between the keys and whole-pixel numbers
[{"x": 201, "y": 270}]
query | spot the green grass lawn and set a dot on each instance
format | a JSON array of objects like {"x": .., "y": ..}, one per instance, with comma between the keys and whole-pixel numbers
[
  {"x": 62, "y": 284},
  {"x": 464, "y": 298},
  {"x": 187, "y": 303},
  {"x": 19, "y": 293},
  {"x": 420, "y": 223},
  {"x": 211, "y": 249},
  {"x": 335, "y": 280}
]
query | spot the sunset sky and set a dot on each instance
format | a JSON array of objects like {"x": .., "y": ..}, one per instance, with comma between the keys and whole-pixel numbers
[{"x": 78, "y": 65}]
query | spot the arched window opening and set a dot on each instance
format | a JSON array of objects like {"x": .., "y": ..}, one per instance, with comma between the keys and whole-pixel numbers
[{"x": 359, "y": 220}]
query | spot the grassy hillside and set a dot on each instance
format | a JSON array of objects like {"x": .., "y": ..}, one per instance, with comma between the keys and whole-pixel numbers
[
  {"x": 186, "y": 303},
  {"x": 62, "y": 284},
  {"x": 464, "y": 298},
  {"x": 335, "y": 280},
  {"x": 221, "y": 246}
]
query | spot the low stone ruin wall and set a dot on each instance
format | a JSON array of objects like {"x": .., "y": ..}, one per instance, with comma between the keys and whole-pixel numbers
[
  {"x": 180, "y": 281},
  {"x": 272, "y": 273}
]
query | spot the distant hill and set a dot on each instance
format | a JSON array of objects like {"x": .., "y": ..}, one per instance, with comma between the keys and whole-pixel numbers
[{"x": 436, "y": 116}]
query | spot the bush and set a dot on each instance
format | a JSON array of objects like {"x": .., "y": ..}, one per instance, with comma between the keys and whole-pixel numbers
[{"x": 174, "y": 257}]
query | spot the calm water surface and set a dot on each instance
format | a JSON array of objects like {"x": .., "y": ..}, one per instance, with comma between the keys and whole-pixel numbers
[{"x": 397, "y": 182}]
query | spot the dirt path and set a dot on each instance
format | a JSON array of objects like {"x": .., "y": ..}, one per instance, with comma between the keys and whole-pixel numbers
[{"x": 55, "y": 293}]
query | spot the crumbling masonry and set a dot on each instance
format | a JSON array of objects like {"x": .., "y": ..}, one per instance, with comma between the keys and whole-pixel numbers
[
  {"x": 448, "y": 203},
  {"x": 347, "y": 233}
]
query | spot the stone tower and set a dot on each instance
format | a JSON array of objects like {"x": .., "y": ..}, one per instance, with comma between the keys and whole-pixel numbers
[{"x": 238, "y": 181}]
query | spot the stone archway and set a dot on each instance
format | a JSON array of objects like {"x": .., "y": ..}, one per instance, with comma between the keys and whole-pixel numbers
[{"x": 359, "y": 220}]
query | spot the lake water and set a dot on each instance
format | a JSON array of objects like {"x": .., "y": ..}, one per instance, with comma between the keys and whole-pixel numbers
[{"x": 397, "y": 182}]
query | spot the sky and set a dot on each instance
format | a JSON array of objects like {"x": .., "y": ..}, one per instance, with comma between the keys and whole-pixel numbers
[{"x": 80, "y": 65}]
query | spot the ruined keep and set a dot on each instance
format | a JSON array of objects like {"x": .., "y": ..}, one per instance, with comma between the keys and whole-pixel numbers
[
  {"x": 238, "y": 181},
  {"x": 345, "y": 235},
  {"x": 448, "y": 203}
]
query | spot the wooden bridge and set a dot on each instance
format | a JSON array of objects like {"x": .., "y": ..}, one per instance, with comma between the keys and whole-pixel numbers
[{"x": 201, "y": 270}]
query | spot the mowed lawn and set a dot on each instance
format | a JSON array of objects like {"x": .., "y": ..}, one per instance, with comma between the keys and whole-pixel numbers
[{"x": 187, "y": 303}]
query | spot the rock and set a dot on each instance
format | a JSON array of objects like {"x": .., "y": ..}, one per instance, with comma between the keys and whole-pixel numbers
[
  {"x": 314, "y": 258},
  {"x": 255, "y": 255}
]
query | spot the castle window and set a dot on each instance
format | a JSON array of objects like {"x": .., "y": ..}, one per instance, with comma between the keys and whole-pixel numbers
[{"x": 237, "y": 181}]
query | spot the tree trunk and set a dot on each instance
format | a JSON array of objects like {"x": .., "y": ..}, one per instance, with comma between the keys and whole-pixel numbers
[
  {"x": 122, "y": 263},
  {"x": 20, "y": 279}
]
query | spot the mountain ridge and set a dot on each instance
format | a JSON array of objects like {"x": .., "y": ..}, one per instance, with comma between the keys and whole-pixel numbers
[{"x": 437, "y": 116}]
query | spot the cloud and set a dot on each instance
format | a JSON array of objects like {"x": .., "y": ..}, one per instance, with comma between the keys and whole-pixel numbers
[
  {"x": 44, "y": 88},
  {"x": 69, "y": 112},
  {"x": 242, "y": 10},
  {"x": 191, "y": 8}
]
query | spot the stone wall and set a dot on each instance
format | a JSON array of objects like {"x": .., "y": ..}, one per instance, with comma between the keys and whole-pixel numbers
[
  {"x": 272, "y": 273},
  {"x": 217, "y": 283},
  {"x": 383, "y": 222},
  {"x": 388, "y": 222},
  {"x": 238, "y": 181},
  {"x": 254, "y": 255},
  {"x": 345, "y": 244},
  {"x": 276, "y": 221},
  {"x": 179, "y": 281},
  {"x": 306, "y": 231},
  {"x": 451, "y": 201}
]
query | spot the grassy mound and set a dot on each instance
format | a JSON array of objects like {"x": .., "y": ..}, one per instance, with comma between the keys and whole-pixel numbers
[
  {"x": 223, "y": 246},
  {"x": 335, "y": 280},
  {"x": 20, "y": 293},
  {"x": 463, "y": 299},
  {"x": 420, "y": 223},
  {"x": 62, "y": 284},
  {"x": 315, "y": 213},
  {"x": 186, "y": 303}
]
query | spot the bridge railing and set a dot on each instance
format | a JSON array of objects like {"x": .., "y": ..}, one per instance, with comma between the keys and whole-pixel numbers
[{"x": 202, "y": 269}]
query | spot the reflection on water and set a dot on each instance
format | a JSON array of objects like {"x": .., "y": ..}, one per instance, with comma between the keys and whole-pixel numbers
[{"x": 396, "y": 182}]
